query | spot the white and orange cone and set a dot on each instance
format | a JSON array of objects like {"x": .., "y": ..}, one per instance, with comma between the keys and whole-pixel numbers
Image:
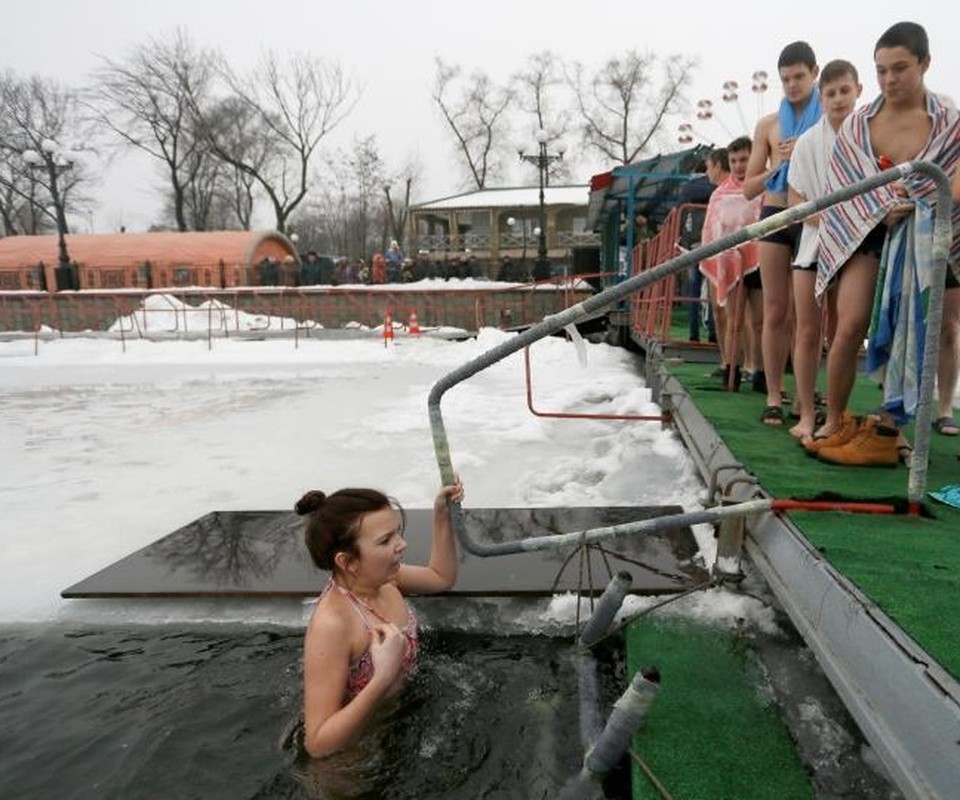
[
  {"x": 387, "y": 329},
  {"x": 413, "y": 324}
]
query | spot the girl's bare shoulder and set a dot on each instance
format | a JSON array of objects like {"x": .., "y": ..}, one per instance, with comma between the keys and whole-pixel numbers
[{"x": 330, "y": 617}]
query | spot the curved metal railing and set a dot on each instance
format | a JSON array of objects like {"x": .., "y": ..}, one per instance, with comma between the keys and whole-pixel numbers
[{"x": 942, "y": 237}]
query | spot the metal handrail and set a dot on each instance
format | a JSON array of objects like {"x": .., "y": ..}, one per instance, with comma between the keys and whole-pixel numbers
[
  {"x": 942, "y": 237},
  {"x": 528, "y": 375}
]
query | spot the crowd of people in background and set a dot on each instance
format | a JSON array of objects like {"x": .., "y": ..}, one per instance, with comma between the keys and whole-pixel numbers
[{"x": 391, "y": 266}]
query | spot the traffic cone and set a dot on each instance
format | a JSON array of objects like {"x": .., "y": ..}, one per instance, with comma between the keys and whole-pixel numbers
[
  {"x": 387, "y": 329},
  {"x": 413, "y": 324}
]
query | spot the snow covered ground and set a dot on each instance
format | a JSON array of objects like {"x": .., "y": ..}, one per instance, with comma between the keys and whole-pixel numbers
[{"x": 105, "y": 447}]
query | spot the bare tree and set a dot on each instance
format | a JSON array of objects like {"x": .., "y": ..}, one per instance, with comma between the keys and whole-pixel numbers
[
  {"x": 473, "y": 108},
  {"x": 236, "y": 127},
  {"x": 16, "y": 185},
  {"x": 293, "y": 107},
  {"x": 41, "y": 116},
  {"x": 397, "y": 212},
  {"x": 146, "y": 101},
  {"x": 206, "y": 202},
  {"x": 325, "y": 224},
  {"x": 202, "y": 191},
  {"x": 620, "y": 107},
  {"x": 535, "y": 89},
  {"x": 366, "y": 168},
  {"x": 347, "y": 214}
]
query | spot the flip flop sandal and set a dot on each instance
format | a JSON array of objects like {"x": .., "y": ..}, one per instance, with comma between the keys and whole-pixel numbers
[
  {"x": 772, "y": 416},
  {"x": 946, "y": 426}
]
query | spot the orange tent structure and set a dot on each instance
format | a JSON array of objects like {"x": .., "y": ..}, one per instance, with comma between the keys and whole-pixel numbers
[{"x": 149, "y": 260}]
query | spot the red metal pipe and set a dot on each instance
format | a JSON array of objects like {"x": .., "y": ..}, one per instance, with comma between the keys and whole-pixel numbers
[
  {"x": 562, "y": 415},
  {"x": 834, "y": 505}
]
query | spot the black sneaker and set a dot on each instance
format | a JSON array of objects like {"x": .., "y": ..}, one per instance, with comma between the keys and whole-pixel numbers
[{"x": 759, "y": 382}]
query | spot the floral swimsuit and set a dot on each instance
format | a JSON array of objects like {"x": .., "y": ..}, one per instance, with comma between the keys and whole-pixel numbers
[{"x": 361, "y": 670}]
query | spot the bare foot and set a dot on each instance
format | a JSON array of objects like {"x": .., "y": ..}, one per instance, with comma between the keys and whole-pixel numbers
[
  {"x": 803, "y": 430},
  {"x": 825, "y": 430}
]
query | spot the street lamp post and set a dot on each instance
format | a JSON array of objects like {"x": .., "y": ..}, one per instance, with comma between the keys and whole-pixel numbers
[
  {"x": 511, "y": 224},
  {"x": 542, "y": 160},
  {"x": 53, "y": 160}
]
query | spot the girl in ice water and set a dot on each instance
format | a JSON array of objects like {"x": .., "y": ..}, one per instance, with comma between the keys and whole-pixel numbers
[{"x": 361, "y": 641}]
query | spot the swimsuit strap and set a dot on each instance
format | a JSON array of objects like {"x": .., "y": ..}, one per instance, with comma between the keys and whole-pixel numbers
[
  {"x": 361, "y": 606},
  {"x": 356, "y": 602},
  {"x": 409, "y": 630}
]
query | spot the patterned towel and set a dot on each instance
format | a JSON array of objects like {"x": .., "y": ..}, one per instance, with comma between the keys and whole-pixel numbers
[
  {"x": 729, "y": 211},
  {"x": 791, "y": 126},
  {"x": 844, "y": 226},
  {"x": 898, "y": 323}
]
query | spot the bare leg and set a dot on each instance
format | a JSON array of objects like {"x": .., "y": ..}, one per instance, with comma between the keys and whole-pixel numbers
[
  {"x": 753, "y": 358},
  {"x": 777, "y": 314},
  {"x": 806, "y": 350},
  {"x": 720, "y": 323},
  {"x": 855, "y": 285},
  {"x": 947, "y": 359},
  {"x": 732, "y": 314},
  {"x": 830, "y": 315}
]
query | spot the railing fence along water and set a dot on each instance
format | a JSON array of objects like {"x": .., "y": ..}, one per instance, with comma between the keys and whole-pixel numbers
[
  {"x": 215, "y": 312},
  {"x": 942, "y": 237}
]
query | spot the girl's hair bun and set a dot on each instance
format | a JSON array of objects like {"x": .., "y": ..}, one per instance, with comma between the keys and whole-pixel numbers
[{"x": 310, "y": 502}]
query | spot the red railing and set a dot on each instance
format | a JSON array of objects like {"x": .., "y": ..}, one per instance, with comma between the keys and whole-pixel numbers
[
  {"x": 652, "y": 308},
  {"x": 197, "y": 311}
]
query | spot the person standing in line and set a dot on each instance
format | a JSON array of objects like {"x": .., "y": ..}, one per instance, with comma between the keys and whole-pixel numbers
[
  {"x": 839, "y": 91},
  {"x": 948, "y": 356},
  {"x": 947, "y": 365},
  {"x": 884, "y": 234},
  {"x": 773, "y": 143},
  {"x": 394, "y": 257},
  {"x": 729, "y": 211},
  {"x": 361, "y": 641},
  {"x": 378, "y": 269}
]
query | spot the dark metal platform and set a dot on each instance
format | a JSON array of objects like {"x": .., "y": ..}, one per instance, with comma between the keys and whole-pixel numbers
[{"x": 262, "y": 554}]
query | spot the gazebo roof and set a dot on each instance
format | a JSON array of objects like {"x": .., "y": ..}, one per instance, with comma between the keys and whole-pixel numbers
[
  {"x": 651, "y": 186},
  {"x": 166, "y": 248}
]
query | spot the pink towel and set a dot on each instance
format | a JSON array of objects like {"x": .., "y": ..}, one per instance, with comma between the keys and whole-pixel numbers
[{"x": 729, "y": 211}]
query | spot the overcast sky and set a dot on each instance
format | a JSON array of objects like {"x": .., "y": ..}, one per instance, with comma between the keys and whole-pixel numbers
[{"x": 389, "y": 48}]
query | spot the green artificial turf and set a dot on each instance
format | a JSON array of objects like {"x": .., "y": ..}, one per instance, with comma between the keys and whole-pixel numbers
[
  {"x": 712, "y": 731},
  {"x": 909, "y": 566}
]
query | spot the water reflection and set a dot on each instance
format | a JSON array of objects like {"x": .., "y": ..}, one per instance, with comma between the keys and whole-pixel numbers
[
  {"x": 262, "y": 553},
  {"x": 236, "y": 548}
]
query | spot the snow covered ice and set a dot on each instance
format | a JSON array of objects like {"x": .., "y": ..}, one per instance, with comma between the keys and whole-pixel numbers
[{"x": 105, "y": 448}]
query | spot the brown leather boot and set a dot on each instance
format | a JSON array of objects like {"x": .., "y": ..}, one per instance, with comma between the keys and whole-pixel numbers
[
  {"x": 874, "y": 445},
  {"x": 849, "y": 425}
]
